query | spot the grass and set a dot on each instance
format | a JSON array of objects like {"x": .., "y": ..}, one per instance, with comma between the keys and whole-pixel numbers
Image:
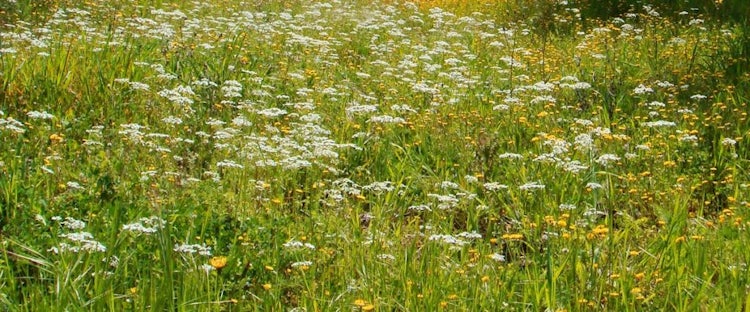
[{"x": 384, "y": 155}]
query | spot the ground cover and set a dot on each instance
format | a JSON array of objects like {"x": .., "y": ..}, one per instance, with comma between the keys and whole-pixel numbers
[{"x": 379, "y": 155}]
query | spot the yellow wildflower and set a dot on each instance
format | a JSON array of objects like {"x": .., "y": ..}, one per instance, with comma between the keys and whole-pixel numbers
[{"x": 218, "y": 262}]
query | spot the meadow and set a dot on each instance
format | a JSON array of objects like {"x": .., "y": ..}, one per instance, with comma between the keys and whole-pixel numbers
[{"x": 385, "y": 155}]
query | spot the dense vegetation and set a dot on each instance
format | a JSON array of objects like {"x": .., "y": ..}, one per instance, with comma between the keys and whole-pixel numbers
[{"x": 374, "y": 155}]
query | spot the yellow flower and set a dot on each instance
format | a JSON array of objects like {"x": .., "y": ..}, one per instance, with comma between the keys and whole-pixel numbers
[
  {"x": 56, "y": 138},
  {"x": 267, "y": 286},
  {"x": 218, "y": 262},
  {"x": 368, "y": 307},
  {"x": 360, "y": 302},
  {"x": 512, "y": 236},
  {"x": 639, "y": 276}
]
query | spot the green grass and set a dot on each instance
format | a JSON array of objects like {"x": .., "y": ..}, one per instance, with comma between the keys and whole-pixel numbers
[{"x": 351, "y": 155}]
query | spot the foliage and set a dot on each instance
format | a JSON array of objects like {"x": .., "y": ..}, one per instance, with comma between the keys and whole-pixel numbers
[{"x": 372, "y": 155}]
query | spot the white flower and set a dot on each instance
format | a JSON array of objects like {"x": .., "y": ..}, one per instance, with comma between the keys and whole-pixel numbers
[
  {"x": 641, "y": 89},
  {"x": 494, "y": 186},
  {"x": 172, "y": 120},
  {"x": 139, "y": 86},
  {"x": 510, "y": 156},
  {"x": 469, "y": 235},
  {"x": 240, "y": 121},
  {"x": 584, "y": 142},
  {"x": 448, "y": 185},
  {"x": 229, "y": 164},
  {"x": 202, "y": 250},
  {"x": 39, "y": 115},
  {"x": 532, "y": 186},
  {"x": 272, "y": 112},
  {"x": 567, "y": 207},
  {"x": 293, "y": 244},
  {"x": 728, "y": 142},
  {"x": 386, "y": 119},
  {"x": 448, "y": 239},
  {"x": 574, "y": 166},
  {"x": 497, "y": 257},
  {"x": 302, "y": 264},
  {"x": 659, "y": 123},
  {"x": 72, "y": 223},
  {"x": 605, "y": 159},
  {"x": 145, "y": 225},
  {"x": 420, "y": 208}
]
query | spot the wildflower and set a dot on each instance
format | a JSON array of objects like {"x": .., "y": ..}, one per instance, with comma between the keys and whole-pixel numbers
[
  {"x": 728, "y": 142},
  {"x": 386, "y": 119},
  {"x": 598, "y": 231},
  {"x": 494, "y": 186},
  {"x": 360, "y": 109},
  {"x": 272, "y": 112},
  {"x": 56, "y": 138},
  {"x": 639, "y": 276},
  {"x": 516, "y": 236},
  {"x": 386, "y": 257},
  {"x": 641, "y": 89},
  {"x": 469, "y": 235},
  {"x": 605, "y": 159},
  {"x": 532, "y": 186},
  {"x": 659, "y": 124},
  {"x": 448, "y": 239},
  {"x": 71, "y": 223},
  {"x": 420, "y": 208},
  {"x": 40, "y": 115},
  {"x": 302, "y": 265},
  {"x": 145, "y": 225},
  {"x": 566, "y": 207},
  {"x": 229, "y": 164},
  {"x": 497, "y": 257},
  {"x": 510, "y": 156},
  {"x": 448, "y": 185},
  {"x": 218, "y": 262},
  {"x": 202, "y": 250},
  {"x": 206, "y": 268},
  {"x": 172, "y": 120},
  {"x": 267, "y": 286},
  {"x": 293, "y": 244},
  {"x": 83, "y": 241}
]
